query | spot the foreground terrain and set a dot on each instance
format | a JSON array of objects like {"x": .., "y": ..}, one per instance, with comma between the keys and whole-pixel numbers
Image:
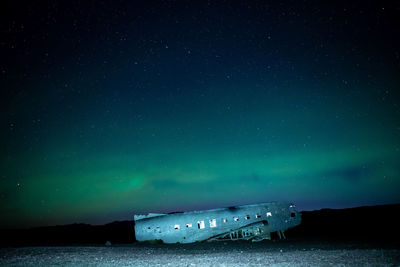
[
  {"x": 274, "y": 253},
  {"x": 364, "y": 236}
]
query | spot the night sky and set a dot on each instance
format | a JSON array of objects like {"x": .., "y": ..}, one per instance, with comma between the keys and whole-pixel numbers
[{"x": 114, "y": 108}]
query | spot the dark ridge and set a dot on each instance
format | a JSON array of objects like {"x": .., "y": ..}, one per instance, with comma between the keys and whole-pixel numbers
[
  {"x": 232, "y": 208},
  {"x": 363, "y": 224},
  {"x": 121, "y": 232},
  {"x": 376, "y": 223}
]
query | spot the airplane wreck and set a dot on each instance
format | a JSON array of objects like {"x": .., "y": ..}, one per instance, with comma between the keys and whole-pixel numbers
[{"x": 253, "y": 222}]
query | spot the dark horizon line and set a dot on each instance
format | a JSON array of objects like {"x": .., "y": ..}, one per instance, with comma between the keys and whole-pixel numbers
[{"x": 122, "y": 221}]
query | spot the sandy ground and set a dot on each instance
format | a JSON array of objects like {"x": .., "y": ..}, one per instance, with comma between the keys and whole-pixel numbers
[{"x": 280, "y": 253}]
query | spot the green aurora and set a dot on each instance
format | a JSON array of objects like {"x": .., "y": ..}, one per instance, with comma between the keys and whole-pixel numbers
[{"x": 98, "y": 130}]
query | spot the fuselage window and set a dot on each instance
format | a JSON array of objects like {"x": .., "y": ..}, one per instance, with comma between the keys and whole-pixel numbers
[
  {"x": 269, "y": 214},
  {"x": 200, "y": 224},
  {"x": 224, "y": 220},
  {"x": 247, "y": 217},
  {"x": 258, "y": 216},
  {"x": 235, "y": 219},
  {"x": 176, "y": 226},
  {"x": 213, "y": 223},
  {"x": 188, "y": 225}
]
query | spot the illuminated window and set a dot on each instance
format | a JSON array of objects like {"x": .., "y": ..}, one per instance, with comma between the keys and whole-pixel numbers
[
  {"x": 224, "y": 220},
  {"x": 176, "y": 226},
  {"x": 247, "y": 217},
  {"x": 188, "y": 225},
  {"x": 235, "y": 219},
  {"x": 258, "y": 216},
  {"x": 269, "y": 214},
  {"x": 200, "y": 224},
  {"x": 213, "y": 223}
]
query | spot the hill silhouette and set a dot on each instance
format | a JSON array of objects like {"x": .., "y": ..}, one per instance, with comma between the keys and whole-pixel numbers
[{"x": 365, "y": 224}]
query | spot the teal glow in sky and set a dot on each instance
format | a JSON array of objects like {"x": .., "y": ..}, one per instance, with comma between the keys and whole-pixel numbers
[{"x": 121, "y": 109}]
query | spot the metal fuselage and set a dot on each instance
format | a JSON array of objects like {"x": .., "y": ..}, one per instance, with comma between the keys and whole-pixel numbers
[{"x": 188, "y": 227}]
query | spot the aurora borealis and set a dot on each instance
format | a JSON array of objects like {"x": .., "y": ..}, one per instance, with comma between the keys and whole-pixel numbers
[{"x": 114, "y": 108}]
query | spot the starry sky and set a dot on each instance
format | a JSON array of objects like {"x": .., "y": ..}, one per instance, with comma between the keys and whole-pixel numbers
[{"x": 111, "y": 108}]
